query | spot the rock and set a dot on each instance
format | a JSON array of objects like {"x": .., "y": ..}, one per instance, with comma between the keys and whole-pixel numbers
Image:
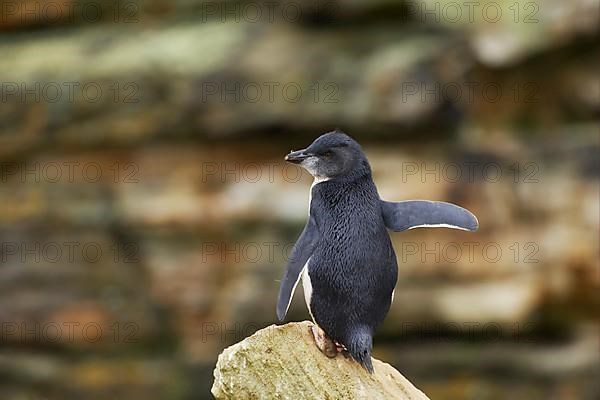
[
  {"x": 283, "y": 362},
  {"x": 48, "y": 375}
]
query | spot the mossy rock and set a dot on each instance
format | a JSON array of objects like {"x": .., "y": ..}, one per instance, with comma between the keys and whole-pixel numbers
[{"x": 282, "y": 362}]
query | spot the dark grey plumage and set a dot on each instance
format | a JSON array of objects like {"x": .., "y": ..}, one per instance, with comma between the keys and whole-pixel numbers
[{"x": 345, "y": 246}]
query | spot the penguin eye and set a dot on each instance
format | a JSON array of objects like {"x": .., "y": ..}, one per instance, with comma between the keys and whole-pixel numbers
[{"x": 328, "y": 154}]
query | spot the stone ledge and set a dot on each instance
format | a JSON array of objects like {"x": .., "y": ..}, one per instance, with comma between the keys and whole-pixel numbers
[{"x": 282, "y": 362}]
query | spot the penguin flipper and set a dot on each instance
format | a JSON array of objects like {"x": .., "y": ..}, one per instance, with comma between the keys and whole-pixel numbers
[
  {"x": 301, "y": 252},
  {"x": 403, "y": 215}
]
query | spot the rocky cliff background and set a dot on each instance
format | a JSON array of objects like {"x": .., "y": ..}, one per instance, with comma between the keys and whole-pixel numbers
[{"x": 147, "y": 213}]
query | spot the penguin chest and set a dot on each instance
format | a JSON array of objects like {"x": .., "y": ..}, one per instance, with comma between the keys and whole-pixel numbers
[{"x": 307, "y": 286}]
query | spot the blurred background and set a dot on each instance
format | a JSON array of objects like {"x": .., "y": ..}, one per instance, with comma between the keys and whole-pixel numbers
[{"x": 147, "y": 214}]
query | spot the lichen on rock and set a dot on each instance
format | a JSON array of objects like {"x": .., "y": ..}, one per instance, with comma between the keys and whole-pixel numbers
[{"x": 282, "y": 362}]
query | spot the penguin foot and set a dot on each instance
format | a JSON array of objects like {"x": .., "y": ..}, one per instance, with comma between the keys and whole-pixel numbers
[
  {"x": 340, "y": 347},
  {"x": 326, "y": 345}
]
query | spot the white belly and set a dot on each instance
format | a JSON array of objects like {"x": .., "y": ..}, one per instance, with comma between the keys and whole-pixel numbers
[{"x": 307, "y": 286}]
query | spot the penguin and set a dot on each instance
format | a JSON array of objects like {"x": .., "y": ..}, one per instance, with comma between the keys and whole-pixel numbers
[{"x": 344, "y": 255}]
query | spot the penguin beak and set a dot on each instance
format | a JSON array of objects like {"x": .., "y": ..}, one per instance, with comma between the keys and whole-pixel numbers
[{"x": 297, "y": 157}]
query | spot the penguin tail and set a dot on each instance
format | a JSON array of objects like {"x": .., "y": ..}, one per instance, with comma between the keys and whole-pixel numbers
[{"x": 360, "y": 346}]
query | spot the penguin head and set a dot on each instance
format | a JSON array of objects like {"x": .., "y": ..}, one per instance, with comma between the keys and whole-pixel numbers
[{"x": 332, "y": 155}]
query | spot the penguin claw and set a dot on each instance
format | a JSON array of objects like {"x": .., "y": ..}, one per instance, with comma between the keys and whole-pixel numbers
[
  {"x": 340, "y": 347},
  {"x": 326, "y": 345}
]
